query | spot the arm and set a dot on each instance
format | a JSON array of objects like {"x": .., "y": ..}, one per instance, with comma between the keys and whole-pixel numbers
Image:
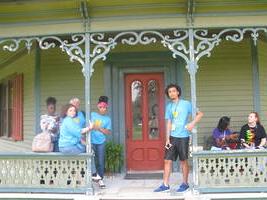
[
  {"x": 168, "y": 131},
  {"x": 104, "y": 126},
  {"x": 103, "y": 130},
  {"x": 263, "y": 136},
  {"x": 192, "y": 124},
  {"x": 220, "y": 142},
  {"x": 216, "y": 135},
  {"x": 263, "y": 142},
  {"x": 74, "y": 129},
  {"x": 232, "y": 136}
]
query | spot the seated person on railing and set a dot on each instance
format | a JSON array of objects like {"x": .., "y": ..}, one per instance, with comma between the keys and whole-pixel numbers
[
  {"x": 70, "y": 140},
  {"x": 223, "y": 137},
  {"x": 252, "y": 134},
  {"x": 50, "y": 121}
]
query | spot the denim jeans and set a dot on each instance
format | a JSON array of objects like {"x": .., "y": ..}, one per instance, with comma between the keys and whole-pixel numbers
[
  {"x": 55, "y": 139},
  {"x": 98, "y": 163},
  {"x": 76, "y": 149}
]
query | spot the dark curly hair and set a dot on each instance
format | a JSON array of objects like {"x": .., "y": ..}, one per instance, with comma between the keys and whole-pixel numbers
[
  {"x": 173, "y": 86},
  {"x": 51, "y": 100}
]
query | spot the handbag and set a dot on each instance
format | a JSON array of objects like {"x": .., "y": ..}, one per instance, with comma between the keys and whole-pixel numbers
[{"x": 42, "y": 143}]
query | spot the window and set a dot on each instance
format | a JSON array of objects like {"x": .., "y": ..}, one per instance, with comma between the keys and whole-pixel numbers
[{"x": 11, "y": 107}]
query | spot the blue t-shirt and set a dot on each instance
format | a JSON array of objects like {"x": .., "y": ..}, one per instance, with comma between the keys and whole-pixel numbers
[
  {"x": 70, "y": 133},
  {"x": 102, "y": 121},
  {"x": 80, "y": 119},
  {"x": 178, "y": 113}
]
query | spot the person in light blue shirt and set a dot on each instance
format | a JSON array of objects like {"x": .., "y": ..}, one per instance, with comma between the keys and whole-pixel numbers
[
  {"x": 70, "y": 132},
  {"x": 80, "y": 117},
  {"x": 178, "y": 127},
  {"x": 101, "y": 126},
  {"x": 183, "y": 109}
]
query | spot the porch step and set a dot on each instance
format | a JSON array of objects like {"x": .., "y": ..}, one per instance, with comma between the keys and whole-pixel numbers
[
  {"x": 143, "y": 176},
  {"x": 138, "y": 196}
]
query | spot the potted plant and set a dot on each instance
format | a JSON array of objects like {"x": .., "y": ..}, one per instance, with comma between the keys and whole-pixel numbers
[{"x": 113, "y": 157}]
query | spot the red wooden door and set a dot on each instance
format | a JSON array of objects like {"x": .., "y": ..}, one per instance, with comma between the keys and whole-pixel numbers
[{"x": 145, "y": 127}]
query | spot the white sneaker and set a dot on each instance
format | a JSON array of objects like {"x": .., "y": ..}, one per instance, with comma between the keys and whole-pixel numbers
[
  {"x": 96, "y": 177},
  {"x": 101, "y": 184}
]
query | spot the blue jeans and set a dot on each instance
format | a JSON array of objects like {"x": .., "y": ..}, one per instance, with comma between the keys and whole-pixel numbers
[
  {"x": 98, "y": 163},
  {"x": 55, "y": 142},
  {"x": 75, "y": 149}
]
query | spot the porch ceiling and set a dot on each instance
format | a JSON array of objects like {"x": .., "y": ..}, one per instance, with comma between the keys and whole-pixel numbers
[
  {"x": 29, "y": 11},
  {"x": 106, "y": 15}
]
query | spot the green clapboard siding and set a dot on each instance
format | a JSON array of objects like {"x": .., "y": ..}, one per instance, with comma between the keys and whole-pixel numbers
[
  {"x": 224, "y": 86},
  {"x": 64, "y": 79},
  {"x": 263, "y": 80},
  {"x": 23, "y": 64}
]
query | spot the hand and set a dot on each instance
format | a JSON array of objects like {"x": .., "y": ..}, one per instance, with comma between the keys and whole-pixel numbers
[
  {"x": 95, "y": 127},
  {"x": 57, "y": 119},
  {"x": 83, "y": 141},
  {"x": 84, "y": 130},
  {"x": 168, "y": 144},
  {"x": 90, "y": 125},
  {"x": 190, "y": 126}
]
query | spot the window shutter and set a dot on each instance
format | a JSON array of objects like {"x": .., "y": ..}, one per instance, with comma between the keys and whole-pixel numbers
[{"x": 17, "y": 105}]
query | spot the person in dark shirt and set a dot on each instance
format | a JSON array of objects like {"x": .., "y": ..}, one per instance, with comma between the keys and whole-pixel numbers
[{"x": 252, "y": 134}]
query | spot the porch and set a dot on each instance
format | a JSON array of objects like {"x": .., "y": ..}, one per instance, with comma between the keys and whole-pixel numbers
[
  {"x": 236, "y": 171},
  {"x": 207, "y": 82}
]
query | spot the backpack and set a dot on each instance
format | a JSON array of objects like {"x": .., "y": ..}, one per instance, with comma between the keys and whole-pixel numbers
[{"x": 42, "y": 143}]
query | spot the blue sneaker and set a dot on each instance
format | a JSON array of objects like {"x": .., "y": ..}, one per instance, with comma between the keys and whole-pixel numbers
[
  {"x": 183, "y": 187},
  {"x": 162, "y": 188}
]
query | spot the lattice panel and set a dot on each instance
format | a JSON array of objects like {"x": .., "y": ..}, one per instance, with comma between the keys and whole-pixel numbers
[
  {"x": 238, "y": 171},
  {"x": 38, "y": 173}
]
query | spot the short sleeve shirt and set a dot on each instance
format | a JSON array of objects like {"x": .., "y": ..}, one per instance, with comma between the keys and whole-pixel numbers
[
  {"x": 178, "y": 113},
  {"x": 252, "y": 135},
  {"x": 217, "y": 134},
  {"x": 102, "y": 121}
]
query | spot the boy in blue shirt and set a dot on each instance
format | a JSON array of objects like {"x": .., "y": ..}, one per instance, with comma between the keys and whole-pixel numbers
[{"x": 177, "y": 136}]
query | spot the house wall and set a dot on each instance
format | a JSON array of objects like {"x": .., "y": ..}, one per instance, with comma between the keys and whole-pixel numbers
[
  {"x": 63, "y": 80},
  {"x": 24, "y": 64},
  {"x": 262, "y": 52},
  {"x": 224, "y": 86}
]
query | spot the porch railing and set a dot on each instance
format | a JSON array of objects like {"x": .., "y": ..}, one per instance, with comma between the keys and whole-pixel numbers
[
  {"x": 44, "y": 172},
  {"x": 230, "y": 171}
]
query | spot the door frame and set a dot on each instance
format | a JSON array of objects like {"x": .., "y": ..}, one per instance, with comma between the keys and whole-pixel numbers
[{"x": 120, "y": 64}]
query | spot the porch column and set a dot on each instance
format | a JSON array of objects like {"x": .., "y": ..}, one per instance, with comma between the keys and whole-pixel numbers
[
  {"x": 192, "y": 68},
  {"x": 87, "y": 74},
  {"x": 255, "y": 78}
]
